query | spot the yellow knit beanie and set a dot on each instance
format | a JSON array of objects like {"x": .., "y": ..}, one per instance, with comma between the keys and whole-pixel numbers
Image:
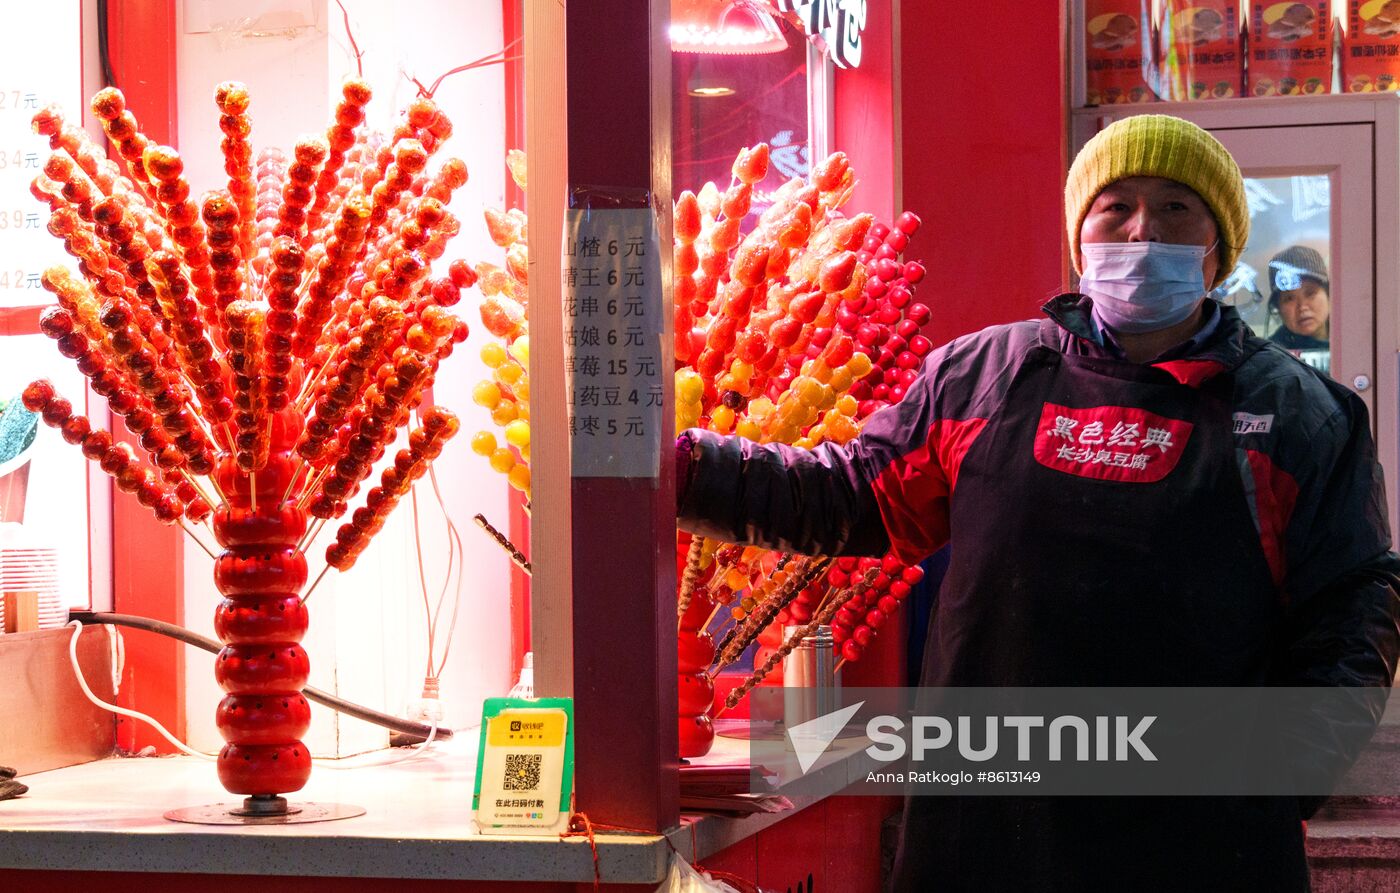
[{"x": 1161, "y": 146}]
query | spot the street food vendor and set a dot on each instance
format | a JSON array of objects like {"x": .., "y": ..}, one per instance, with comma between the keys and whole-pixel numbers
[{"x": 1111, "y": 522}]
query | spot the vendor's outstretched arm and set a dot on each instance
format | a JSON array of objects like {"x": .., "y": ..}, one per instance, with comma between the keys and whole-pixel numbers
[{"x": 886, "y": 489}]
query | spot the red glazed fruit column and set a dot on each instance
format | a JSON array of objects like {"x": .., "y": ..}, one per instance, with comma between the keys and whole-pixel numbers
[{"x": 261, "y": 622}]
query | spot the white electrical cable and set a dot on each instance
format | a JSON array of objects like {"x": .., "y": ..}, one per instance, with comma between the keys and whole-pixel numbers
[
  {"x": 122, "y": 711},
  {"x": 395, "y": 758},
  {"x": 185, "y": 748}
]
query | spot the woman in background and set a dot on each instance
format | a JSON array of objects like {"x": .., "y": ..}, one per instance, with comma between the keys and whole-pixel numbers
[{"x": 1301, "y": 298}]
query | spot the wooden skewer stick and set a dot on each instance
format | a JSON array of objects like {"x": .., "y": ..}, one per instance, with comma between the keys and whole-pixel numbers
[
  {"x": 203, "y": 493},
  {"x": 310, "y": 491},
  {"x": 839, "y": 664},
  {"x": 253, "y": 490},
  {"x": 296, "y": 476},
  {"x": 312, "y": 531},
  {"x": 515, "y": 554},
  {"x": 314, "y": 584},
  {"x": 197, "y": 540},
  {"x": 309, "y": 389},
  {"x": 711, "y": 619}
]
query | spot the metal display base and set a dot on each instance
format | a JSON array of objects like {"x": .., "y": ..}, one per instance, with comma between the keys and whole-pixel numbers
[{"x": 264, "y": 810}]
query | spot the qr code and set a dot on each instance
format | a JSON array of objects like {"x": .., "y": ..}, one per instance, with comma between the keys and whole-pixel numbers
[{"x": 522, "y": 772}]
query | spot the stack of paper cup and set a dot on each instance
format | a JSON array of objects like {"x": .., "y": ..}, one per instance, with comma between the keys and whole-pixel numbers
[{"x": 33, "y": 570}]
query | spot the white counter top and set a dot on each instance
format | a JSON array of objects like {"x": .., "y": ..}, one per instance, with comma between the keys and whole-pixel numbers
[{"x": 107, "y": 816}]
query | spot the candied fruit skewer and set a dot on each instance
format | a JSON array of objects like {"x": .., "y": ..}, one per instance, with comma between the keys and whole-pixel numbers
[
  {"x": 410, "y": 158},
  {"x": 766, "y": 609},
  {"x": 425, "y": 444},
  {"x": 117, "y": 460},
  {"x": 298, "y": 191},
  {"x": 219, "y": 211},
  {"x": 271, "y": 176},
  {"x": 822, "y": 618},
  {"x": 192, "y": 346},
  {"x": 331, "y": 276},
  {"x": 341, "y": 390},
  {"x": 245, "y": 323},
  {"x": 122, "y": 129},
  {"x": 122, "y": 396},
  {"x": 232, "y": 99},
  {"x": 355, "y": 94},
  {"x": 103, "y": 172},
  {"x": 283, "y": 284},
  {"x": 172, "y": 192},
  {"x": 384, "y": 412},
  {"x": 169, "y": 396}
]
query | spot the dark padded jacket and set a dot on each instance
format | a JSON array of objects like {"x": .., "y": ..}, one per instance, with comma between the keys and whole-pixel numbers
[{"x": 1306, "y": 460}]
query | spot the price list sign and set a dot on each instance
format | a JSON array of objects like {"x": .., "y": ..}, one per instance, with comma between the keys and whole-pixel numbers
[
  {"x": 613, "y": 329},
  {"x": 42, "y": 67}
]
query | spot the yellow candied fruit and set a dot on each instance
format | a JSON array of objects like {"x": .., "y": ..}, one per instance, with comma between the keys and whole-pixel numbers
[
  {"x": 722, "y": 419},
  {"x": 518, "y": 434},
  {"x": 804, "y": 443},
  {"x": 809, "y": 391},
  {"x": 505, "y": 413},
  {"x": 690, "y": 387},
  {"x": 520, "y": 349},
  {"x": 738, "y": 613},
  {"x": 747, "y": 603},
  {"x": 493, "y": 354},
  {"x": 748, "y": 429},
  {"x": 522, "y": 411},
  {"x": 487, "y": 394},
  {"x": 522, "y": 389},
  {"x": 737, "y": 579},
  {"x": 483, "y": 443},
  {"x": 786, "y": 433},
  {"x": 820, "y": 371},
  {"x": 858, "y": 365},
  {"x": 509, "y": 373},
  {"x": 741, "y": 370},
  {"x": 847, "y": 405},
  {"x": 841, "y": 429},
  {"x": 759, "y": 407},
  {"x": 525, "y": 452},
  {"x": 519, "y": 477},
  {"x": 503, "y": 460},
  {"x": 841, "y": 380}
]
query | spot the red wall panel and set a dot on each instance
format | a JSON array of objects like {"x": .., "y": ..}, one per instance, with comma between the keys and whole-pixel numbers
[{"x": 984, "y": 121}]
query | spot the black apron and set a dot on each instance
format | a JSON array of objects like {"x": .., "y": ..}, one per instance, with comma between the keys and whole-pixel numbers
[{"x": 1101, "y": 536}]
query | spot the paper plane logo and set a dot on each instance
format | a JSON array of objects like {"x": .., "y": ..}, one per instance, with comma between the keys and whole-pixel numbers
[{"x": 810, "y": 739}]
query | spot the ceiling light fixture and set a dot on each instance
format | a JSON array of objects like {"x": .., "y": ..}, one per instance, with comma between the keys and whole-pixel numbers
[{"x": 741, "y": 28}]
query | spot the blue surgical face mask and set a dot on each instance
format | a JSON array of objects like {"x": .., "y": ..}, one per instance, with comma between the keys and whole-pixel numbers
[{"x": 1143, "y": 286}]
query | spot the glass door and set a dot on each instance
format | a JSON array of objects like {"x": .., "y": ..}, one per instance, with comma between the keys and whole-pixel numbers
[{"x": 1305, "y": 280}]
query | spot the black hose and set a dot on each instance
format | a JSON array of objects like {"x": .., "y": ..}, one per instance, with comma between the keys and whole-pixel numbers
[
  {"x": 104, "y": 53},
  {"x": 392, "y": 723}
]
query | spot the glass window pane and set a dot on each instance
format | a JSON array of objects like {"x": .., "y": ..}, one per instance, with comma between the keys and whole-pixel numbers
[
  {"x": 722, "y": 103},
  {"x": 44, "y": 482},
  {"x": 1282, "y": 284},
  {"x": 33, "y": 73}
]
